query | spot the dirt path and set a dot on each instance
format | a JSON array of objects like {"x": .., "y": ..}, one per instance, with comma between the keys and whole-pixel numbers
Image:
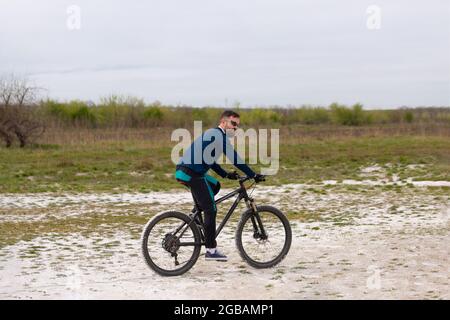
[{"x": 347, "y": 244}]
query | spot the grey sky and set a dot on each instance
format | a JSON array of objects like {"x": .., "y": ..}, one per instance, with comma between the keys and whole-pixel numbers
[{"x": 207, "y": 52}]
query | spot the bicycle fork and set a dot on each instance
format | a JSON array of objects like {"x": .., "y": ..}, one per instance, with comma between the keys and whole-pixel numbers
[{"x": 258, "y": 229}]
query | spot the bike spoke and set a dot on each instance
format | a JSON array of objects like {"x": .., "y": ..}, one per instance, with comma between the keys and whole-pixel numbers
[
  {"x": 264, "y": 250},
  {"x": 163, "y": 242}
]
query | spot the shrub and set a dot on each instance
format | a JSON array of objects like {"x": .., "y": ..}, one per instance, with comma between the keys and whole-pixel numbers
[
  {"x": 353, "y": 116},
  {"x": 309, "y": 115},
  {"x": 409, "y": 117},
  {"x": 153, "y": 113},
  {"x": 57, "y": 109},
  {"x": 83, "y": 115},
  {"x": 260, "y": 116}
]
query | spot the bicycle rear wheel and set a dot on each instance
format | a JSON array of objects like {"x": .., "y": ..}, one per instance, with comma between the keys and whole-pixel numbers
[
  {"x": 263, "y": 248},
  {"x": 169, "y": 245}
]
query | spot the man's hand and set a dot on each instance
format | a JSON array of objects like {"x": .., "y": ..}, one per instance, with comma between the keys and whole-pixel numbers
[
  {"x": 232, "y": 175},
  {"x": 259, "y": 177}
]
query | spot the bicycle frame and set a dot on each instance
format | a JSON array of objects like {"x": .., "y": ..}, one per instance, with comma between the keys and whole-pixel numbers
[{"x": 242, "y": 194}]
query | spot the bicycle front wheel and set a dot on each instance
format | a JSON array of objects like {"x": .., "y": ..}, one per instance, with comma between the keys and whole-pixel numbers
[
  {"x": 170, "y": 245},
  {"x": 263, "y": 238}
]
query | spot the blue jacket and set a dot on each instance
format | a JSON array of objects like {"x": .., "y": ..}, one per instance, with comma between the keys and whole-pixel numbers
[{"x": 203, "y": 153}]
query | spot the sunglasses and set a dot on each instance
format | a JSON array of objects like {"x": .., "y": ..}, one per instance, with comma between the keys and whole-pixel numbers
[{"x": 234, "y": 123}]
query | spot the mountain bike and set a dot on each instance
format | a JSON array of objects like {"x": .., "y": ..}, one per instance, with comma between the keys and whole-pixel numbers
[{"x": 171, "y": 241}]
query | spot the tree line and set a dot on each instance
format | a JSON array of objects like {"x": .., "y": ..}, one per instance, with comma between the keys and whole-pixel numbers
[{"x": 23, "y": 116}]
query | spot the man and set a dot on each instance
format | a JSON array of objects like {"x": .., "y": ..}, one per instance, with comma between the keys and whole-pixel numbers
[{"x": 201, "y": 156}]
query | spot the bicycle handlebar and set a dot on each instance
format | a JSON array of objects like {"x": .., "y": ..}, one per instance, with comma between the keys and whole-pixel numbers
[{"x": 242, "y": 179}]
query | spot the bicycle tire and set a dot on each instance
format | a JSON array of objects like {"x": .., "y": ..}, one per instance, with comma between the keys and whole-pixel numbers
[
  {"x": 145, "y": 250},
  {"x": 288, "y": 240}
]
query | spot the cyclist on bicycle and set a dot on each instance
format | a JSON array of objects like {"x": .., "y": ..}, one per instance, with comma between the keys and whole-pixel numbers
[{"x": 201, "y": 156}]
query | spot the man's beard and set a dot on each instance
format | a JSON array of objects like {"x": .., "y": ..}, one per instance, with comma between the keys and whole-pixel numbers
[{"x": 230, "y": 133}]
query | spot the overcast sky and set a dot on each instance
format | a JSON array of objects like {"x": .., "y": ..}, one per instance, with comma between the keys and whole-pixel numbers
[{"x": 211, "y": 52}]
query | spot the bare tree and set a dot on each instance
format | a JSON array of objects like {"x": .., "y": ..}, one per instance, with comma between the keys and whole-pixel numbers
[
  {"x": 6, "y": 96},
  {"x": 5, "y": 134},
  {"x": 17, "y": 98},
  {"x": 6, "y": 90}
]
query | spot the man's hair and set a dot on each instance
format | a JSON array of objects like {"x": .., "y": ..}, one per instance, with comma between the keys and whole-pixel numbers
[{"x": 229, "y": 113}]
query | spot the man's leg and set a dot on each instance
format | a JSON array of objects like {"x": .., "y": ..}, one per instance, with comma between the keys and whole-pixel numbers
[
  {"x": 204, "y": 195},
  {"x": 203, "y": 189}
]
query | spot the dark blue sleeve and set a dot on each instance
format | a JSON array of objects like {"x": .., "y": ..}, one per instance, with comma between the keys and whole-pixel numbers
[
  {"x": 236, "y": 159},
  {"x": 219, "y": 170}
]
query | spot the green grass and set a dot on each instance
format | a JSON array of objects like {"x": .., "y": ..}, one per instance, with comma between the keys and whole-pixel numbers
[
  {"x": 341, "y": 159},
  {"x": 113, "y": 167},
  {"x": 12, "y": 232},
  {"x": 87, "y": 168}
]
